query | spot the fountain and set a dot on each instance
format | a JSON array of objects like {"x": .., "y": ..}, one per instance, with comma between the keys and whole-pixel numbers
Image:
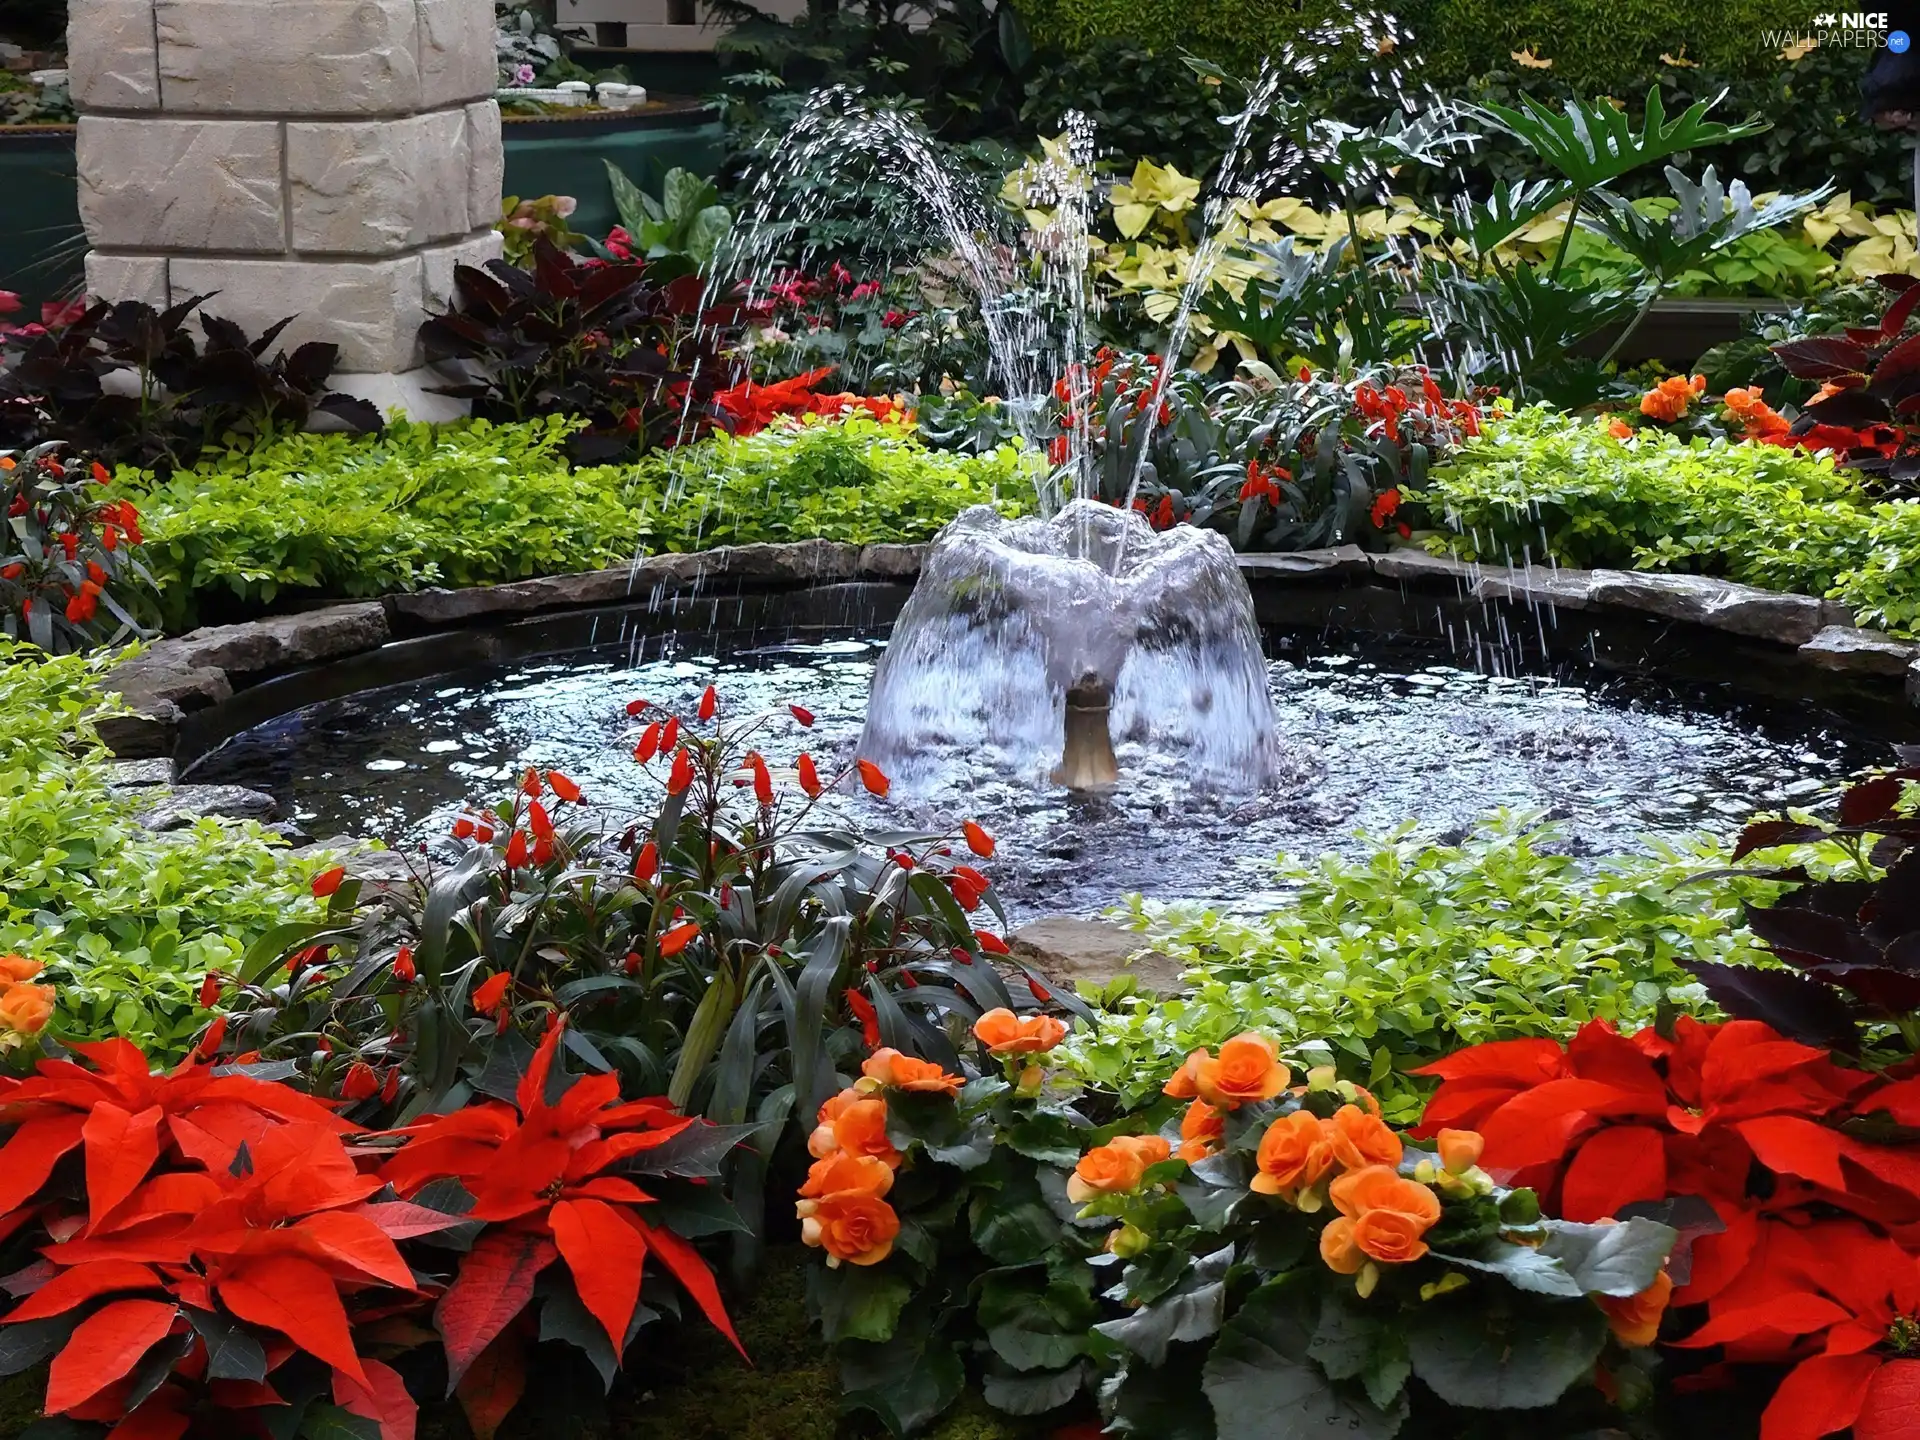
[{"x": 1085, "y": 625}]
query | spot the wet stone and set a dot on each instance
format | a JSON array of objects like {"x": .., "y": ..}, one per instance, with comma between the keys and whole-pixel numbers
[
  {"x": 1077, "y": 952},
  {"x": 177, "y": 809},
  {"x": 1854, "y": 651},
  {"x": 140, "y": 774},
  {"x": 1716, "y": 604},
  {"x": 1338, "y": 562}
]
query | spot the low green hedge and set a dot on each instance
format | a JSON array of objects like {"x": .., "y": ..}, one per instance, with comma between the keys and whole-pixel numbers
[
  {"x": 1545, "y": 484},
  {"x": 339, "y": 516},
  {"x": 1597, "y": 43}
]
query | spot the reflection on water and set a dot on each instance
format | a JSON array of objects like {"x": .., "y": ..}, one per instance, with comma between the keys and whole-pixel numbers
[{"x": 1369, "y": 737}]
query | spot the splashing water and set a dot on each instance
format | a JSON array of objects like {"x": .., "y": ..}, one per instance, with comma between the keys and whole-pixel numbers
[{"x": 1011, "y": 615}]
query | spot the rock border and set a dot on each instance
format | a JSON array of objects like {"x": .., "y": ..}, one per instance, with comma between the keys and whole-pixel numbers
[{"x": 174, "y": 678}]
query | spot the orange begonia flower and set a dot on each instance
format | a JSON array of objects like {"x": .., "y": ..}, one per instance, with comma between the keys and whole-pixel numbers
[
  {"x": 1005, "y": 1033},
  {"x": 1202, "y": 1129},
  {"x": 1293, "y": 1155},
  {"x": 853, "y": 1227},
  {"x": 1358, "y": 1139},
  {"x": 1115, "y": 1167},
  {"x": 843, "y": 1172},
  {"x": 889, "y": 1067},
  {"x": 1459, "y": 1150},
  {"x": 1248, "y": 1068},
  {"x": 1382, "y": 1217},
  {"x": 853, "y": 1124},
  {"x": 26, "y": 1009},
  {"x": 1635, "y": 1320}
]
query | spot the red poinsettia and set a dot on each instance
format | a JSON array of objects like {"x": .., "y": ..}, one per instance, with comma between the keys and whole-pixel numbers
[{"x": 548, "y": 1168}]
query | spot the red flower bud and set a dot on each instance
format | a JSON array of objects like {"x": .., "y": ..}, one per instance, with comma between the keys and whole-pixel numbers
[
  {"x": 361, "y": 1082},
  {"x": 563, "y": 788},
  {"x": 682, "y": 775},
  {"x": 709, "y": 702},
  {"x": 874, "y": 778},
  {"x": 978, "y": 840},
  {"x": 403, "y": 967},
  {"x": 678, "y": 938},
  {"x": 647, "y": 863},
  {"x": 328, "y": 881},
  {"x": 209, "y": 991},
  {"x": 809, "y": 776},
  {"x": 802, "y": 714}
]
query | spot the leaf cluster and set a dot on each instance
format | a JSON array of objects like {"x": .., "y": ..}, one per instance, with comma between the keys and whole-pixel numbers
[{"x": 132, "y": 385}]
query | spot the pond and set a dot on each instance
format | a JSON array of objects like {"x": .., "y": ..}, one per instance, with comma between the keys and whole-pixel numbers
[{"x": 1372, "y": 734}]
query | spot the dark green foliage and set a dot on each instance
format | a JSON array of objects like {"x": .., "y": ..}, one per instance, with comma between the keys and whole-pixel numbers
[{"x": 186, "y": 395}]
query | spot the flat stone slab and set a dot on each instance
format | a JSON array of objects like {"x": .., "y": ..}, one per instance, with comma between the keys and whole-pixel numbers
[
  {"x": 276, "y": 643},
  {"x": 1717, "y": 604},
  {"x": 1093, "y": 952},
  {"x": 802, "y": 560},
  {"x": 1560, "y": 589},
  {"x": 1853, "y": 651},
  {"x": 140, "y": 774},
  {"x": 361, "y": 859},
  {"x": 177, "y": 809},
  {"x": 1417, "y": 567},
  {"x": 1339, "y": 562},
  {"x": 892, "y": 562}
]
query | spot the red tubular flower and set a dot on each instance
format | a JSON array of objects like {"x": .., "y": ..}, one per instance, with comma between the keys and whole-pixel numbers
[
  {"x": 991, "y": 943},
  {"x": 463, "y": 829},
  {"x": 403, "y": 966},
  {"x": 538, "y": 821},
  {"x": 563, "y": 788},
  {"x": 802, "y": 714},
  {"x": 101, "y": 474},
  {"x": 646, "y": 864},
  {"x": 649, "y": 745},
  {"x": 670, "y": 734},
  {"x": 209, "y": 991},
  {"x": 762, "y": 779},
  {"x": 869, "y": 1018},
  {"x": 491, "y": 996},
  {"x": 978, "y": 840},
  {"x": 361, "y": 1083},
  {"x": 328, "y": 881},
  {"x": 682, "y": 776},
  {"x": 517, "y": 851},
  {"x": 530, "y": 784},
  {"x": 874, "y": 778},
  {"x": 678, "y": 938},
  {"x": 709, "y": 702},
  {"x": 809, "y": 776},
  {"x": 637, "y": 708}
]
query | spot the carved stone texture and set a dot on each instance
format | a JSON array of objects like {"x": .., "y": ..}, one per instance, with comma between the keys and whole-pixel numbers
[
  {"x": 316, "y": 57},
  {"x": 181, "y": 184},
  {"x": 113, "y": 63},
  {"x": 379, "y": 186}
]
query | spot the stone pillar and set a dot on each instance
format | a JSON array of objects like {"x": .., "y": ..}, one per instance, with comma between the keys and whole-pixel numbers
[{"x": 330, "y": 159}]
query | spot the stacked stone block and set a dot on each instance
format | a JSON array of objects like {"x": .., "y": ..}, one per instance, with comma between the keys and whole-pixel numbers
[{"x": 333, "y": 159}]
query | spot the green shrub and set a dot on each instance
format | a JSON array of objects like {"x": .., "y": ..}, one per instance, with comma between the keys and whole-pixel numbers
[
  {"x": 1418, "y": 949},
  {"x": 859, "y": 480},
  {"x": 1595, "y": 43},
  {"x": 128, "y": 922},
  {"x": 476, "y": 504},
  {"x": 1545, "y": 485},
  {"x": 367, "y": 515}
]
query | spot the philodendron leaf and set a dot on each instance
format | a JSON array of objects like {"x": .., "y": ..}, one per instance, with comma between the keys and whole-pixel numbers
[
  {"x": 1262, "y": 1379},
  {"x": 1517, "y": 1356}
]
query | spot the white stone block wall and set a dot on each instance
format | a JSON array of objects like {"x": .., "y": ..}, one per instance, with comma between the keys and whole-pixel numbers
[{"x": 332, "y": 159}]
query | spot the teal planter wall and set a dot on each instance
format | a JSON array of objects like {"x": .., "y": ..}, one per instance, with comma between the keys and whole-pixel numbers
[
  {"x": 41, "y": 245},
  {"x": 567, "y": 157}
]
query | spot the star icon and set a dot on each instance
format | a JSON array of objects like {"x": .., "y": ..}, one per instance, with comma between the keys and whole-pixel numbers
[{"x": 1827, "y": 21}]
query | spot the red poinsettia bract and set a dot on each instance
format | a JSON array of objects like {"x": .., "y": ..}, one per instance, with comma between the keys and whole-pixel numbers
[
  {"x": 1817, "y": 1262},
  {"x": 546, "y": 1170}
]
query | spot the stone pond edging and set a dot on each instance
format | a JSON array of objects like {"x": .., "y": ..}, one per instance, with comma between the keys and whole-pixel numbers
[{"x": 174, "y": 677}]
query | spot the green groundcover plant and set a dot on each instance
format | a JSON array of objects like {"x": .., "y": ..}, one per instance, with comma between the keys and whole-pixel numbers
[
  {"x": 127, "y": 922},
  {"x": 1548, "y": 487},
  {"x": 1382, "y": 964},
  {"x": 477, "y": 503}
]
